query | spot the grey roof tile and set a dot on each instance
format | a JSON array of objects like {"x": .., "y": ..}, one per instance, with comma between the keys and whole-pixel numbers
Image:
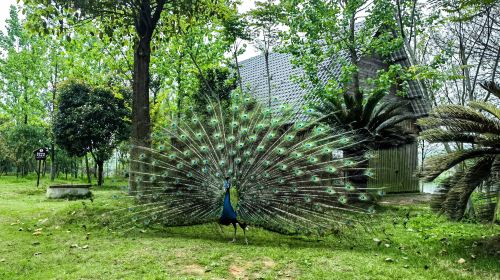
[{"x": 285, "y": 90}]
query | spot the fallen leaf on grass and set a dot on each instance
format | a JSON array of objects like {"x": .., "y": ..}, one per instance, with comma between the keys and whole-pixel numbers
[{"x": 461, "y": 261}]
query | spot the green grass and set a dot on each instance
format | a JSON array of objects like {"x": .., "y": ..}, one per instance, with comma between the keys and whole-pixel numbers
[{"x": 63, "y": 239}]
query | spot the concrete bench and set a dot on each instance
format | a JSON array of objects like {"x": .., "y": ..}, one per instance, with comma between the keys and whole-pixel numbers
[{"x": 69, "y": 191}]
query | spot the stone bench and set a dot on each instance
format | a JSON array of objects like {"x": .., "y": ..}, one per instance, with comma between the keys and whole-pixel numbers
[{"x": 69, "y": 191}]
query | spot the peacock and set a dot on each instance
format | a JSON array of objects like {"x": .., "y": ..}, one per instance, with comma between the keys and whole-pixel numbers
[{"x": 243, "y": 163}]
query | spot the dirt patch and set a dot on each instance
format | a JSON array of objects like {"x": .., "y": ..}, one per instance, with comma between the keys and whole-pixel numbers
[
  {"x": 406, "y": 199},
  {"x": 195, "y": 269},
  {"x": 268, "y": 263},
  {"x": 237, "y": 271}
]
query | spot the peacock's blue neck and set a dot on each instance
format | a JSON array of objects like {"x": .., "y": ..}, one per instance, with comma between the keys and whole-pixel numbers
[{"x": 228, "y": 211}]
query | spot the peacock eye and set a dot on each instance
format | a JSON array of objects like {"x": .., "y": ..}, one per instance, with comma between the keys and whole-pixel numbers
[
  {"x": 330, "y": 169},
  {"x": 330, "y": 190}
]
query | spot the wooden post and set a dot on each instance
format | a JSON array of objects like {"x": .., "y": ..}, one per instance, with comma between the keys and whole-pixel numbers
[{"x": 38, "y": 173}]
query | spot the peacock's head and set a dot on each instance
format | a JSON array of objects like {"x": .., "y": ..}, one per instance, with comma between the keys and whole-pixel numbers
[{"x": 227, "y": 184}]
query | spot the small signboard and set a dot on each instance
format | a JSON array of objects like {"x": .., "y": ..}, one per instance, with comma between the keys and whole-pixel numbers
[{"x": 40, "y": 155}]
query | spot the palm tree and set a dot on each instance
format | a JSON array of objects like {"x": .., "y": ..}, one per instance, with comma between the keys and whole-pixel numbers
[
  {"x": 374, "y": 119},
  {"x": 477, "y": 128}
]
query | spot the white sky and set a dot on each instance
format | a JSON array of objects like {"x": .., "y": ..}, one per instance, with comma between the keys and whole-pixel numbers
[
  {"x": 4, "y": 12},
  {"x": 245, "y": 6}
]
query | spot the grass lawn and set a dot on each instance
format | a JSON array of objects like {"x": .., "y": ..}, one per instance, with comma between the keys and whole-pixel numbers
[{"x": 60, "y": 239}]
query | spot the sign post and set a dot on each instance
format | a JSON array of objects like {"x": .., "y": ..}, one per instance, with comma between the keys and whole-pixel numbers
[{"x": 40, "y": 154}]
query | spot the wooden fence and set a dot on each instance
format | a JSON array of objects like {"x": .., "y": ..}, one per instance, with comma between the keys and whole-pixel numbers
[{"x": 395, "y": 169}]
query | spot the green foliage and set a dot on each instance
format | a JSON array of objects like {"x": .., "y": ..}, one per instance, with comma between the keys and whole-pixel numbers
[
  {"x": 217, "y": 85},
  {"x": 22, "y": 141},
  {"x": 23, "y": 75},
  {"x": 476, "y": 127},
  {"x": 90, "y": 120},
  {"x": 324, "y": 36}
]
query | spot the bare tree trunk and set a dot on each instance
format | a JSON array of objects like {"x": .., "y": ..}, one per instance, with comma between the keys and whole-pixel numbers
[
  {"x": 53, "y": 140},
  {"x": 266, "y": 57},
  {"x": 145, "y": 24},
  {"x": 100, "y": 171},
  {"x": 240, "y": 83},
  {"x": 89, "y": 178}
]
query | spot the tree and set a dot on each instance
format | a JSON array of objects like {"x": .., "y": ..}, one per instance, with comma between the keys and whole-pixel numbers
[
  {"x": 328, "y": 36},
  {"x": 23, "y": 77},
  {"x": 22, "y": 141},
  {"x": 264, "y": 22},
  {"x": 236, "y": 31},
  {"x": 218, "y": 85},
  {"x": 144, "y": 16},
  {"x": 90, "y": 120},
  {"x": 477, "y": 127}
]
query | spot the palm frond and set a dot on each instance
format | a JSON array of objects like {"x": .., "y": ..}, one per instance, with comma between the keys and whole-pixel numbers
[
  {"x": 488, "y": 107},
  {"x": 371, "y": 103},
  {"x": 438, "y": 164},
  {"x": 454, "y": 192},
  {"x": 459, "y": 125}
]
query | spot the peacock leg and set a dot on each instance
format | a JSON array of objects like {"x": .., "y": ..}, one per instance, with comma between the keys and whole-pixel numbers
[
  {"x": 234, "y": 236},
  {"x": 245, "y": 234},
  {"x": 221, "y": 231}
]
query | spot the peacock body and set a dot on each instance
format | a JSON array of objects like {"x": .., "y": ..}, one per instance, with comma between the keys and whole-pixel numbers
[{"x": 282, "y": 174}]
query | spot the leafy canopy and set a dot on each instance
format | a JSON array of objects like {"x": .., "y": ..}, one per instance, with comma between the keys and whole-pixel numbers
[{"x": 90, "y": 120}]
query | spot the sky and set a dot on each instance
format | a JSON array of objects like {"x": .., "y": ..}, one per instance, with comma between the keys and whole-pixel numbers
[
  {"x": 244, "y": 7},
  {"x": 4, "y": 12}
]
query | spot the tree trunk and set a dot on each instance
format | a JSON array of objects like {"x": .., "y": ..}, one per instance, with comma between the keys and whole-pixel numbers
[
  {"x": 145, "y": 24},
  {"x": 266, "y": 57},
  {"x": 240, "y": 83},
  {"x": 100, "y": 171},
  {"x": 141, "y": 130},
  {"x": 89, "y": 178}
]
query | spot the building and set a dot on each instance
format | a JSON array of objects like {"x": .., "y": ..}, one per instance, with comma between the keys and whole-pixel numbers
[{"x": 395, "y": 167}]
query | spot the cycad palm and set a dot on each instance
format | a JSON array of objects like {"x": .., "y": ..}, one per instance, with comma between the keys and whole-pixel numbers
[
  {"x": 374, "y": 119},
  {"x": 477, "y": 127},
  {"x": 284, "y": 175}
]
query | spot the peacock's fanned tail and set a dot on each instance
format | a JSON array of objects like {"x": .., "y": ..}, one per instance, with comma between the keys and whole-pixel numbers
[{"x": 285, "y": 174}]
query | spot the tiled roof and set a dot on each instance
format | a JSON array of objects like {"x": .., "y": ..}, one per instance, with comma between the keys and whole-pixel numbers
[{"x": 285, "y": 90}]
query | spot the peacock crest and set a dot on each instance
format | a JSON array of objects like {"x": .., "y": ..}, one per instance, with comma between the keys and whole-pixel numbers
[{"x": 280, "y": 166}]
